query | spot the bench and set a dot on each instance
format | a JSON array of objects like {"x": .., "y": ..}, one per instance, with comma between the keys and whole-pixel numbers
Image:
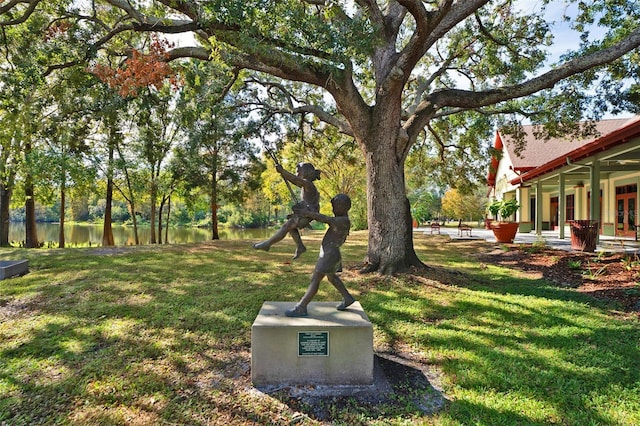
[
  {"x": 462, "y": 229},
  {"x": 435, "y": 227}
]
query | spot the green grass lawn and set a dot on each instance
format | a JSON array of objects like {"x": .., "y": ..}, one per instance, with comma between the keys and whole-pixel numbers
[{"x": 162, "y": 335}]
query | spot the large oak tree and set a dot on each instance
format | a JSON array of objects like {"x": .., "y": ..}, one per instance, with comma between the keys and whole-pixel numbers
[{"x": 393, "y": 68}]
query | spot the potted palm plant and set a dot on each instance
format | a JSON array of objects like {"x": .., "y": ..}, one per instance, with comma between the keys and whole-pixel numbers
[{"x": 503, "y": 229}]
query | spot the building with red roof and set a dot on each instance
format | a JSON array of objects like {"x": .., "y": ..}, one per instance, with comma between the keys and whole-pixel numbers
[{"x": 553, "y": 178}]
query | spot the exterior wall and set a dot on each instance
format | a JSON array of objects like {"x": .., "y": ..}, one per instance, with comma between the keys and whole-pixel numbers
[
  {"x": 608, "y": 185},
  {"x": 608, "y": 203},
  {"x": 504, "y": 175},
  {"x": 609, "y": 207},
  {"x": 568, "y": 191},
  {"x": 581, "y": 202},
  {"x": 546, "y": 210}
]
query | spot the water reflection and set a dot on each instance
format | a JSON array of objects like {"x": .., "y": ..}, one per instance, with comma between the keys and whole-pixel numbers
[{"x": 123, "y": 235}]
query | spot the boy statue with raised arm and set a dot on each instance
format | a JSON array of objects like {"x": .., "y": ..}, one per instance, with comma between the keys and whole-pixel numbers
[{"x": 330, "y": 260}]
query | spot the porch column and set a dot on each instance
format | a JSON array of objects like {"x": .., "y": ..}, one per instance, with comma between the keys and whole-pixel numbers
[
  {"x": 524, "y": 214},
  {"x": 579, "y": 212},
  {"x": 539, "y": 208},
  {"x": 562, "y": 209},
  {"x": 595, "y": 194}
]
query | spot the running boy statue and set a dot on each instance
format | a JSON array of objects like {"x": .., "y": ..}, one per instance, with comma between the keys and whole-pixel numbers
[
  {"x": 330, "y": 261},
  {"x": 306, "y": 173}
]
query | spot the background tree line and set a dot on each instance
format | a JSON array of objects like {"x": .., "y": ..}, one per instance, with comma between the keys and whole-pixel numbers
[
  {"x": 84, "y": 152},
  {"x": 181, "y": 149},
  {"x": 144, "y": 142}
]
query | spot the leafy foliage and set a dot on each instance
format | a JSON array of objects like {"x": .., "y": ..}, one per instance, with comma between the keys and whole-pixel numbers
[
  {"x": 140, "y": 70},
  {"x": 425, "y": 204},
  {"x": 503, "y": 209},
  {"x": 217, "y": 156},
  {"x": 457, "y": 205}
]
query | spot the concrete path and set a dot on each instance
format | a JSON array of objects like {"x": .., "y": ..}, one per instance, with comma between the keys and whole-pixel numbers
[{"x": 551, "y": 239}]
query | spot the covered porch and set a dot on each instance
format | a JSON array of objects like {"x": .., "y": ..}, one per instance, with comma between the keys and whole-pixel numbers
[
  {"x": 561, "y": 191},
  {"x": 551, "y": 239},
  {"x": 596, "y": 181}
]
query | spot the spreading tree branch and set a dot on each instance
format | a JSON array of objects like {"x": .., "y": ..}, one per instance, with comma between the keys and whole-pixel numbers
[
  {"x": 461, "y": 100},
  {"x": 25, "y": 15}
]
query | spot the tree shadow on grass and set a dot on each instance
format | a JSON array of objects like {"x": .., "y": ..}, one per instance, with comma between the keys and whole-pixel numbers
[
  {"x": 512, "y": 347},
  {"x": 184, "y": 340},
  {"x": 98, "y": 340}
]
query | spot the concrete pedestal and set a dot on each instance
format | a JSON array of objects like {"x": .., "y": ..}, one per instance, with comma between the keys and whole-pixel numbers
[
  {"x": 10, "y": 268},
  {"x": 329, "y": 347}
]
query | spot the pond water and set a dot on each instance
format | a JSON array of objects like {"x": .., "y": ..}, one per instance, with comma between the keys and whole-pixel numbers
[{"x": 123, "y": 235}]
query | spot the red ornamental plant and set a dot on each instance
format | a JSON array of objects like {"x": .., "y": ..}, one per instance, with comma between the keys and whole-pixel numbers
[
  {"x": 140, "y": 70},
  {"x": 56, "y": 30}
]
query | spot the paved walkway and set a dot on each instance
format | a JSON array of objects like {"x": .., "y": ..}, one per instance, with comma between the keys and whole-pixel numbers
[{"x": 551, "y": 239}]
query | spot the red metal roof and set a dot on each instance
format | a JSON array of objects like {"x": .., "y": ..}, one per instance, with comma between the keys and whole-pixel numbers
[
  {"x": 540, "y": 157},
  {"x": 493, "y": 168}
]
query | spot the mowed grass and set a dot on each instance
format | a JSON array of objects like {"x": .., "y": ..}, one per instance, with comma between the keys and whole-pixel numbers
[{"x": 162, "y": 335}]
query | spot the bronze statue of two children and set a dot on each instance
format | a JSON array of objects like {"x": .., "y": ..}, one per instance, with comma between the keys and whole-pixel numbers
[{"x": 330, "y": 259}]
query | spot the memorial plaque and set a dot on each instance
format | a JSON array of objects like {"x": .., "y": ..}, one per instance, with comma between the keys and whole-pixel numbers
[{"x": 313, "y": 343}]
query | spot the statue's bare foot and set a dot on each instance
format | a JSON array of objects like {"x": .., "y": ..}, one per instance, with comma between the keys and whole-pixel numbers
[
  {"x": 345, "y": 304},
  {"x": 262, "y": 246},
  {"x": 297, "y": 311},
  {"x": 299, "y": 251}
]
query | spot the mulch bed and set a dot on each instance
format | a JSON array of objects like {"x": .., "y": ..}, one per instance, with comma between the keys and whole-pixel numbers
[{"x": 606, "y": 276}]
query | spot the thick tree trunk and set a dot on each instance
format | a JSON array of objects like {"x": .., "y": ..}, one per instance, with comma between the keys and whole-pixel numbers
[
  {"x": 5, "y": 201},
  {"x": 134, "y": 219},
  {"x": 107, "y": 230},
  {"x": 61, "y": 240},
  {"x": 215, "y": 233},
  {"x": 6, "y": 191},
  {"x": 214, "y": 207},
  {"x": 166, "y": 228},
  {"x": 390, "y": 247},
  {"x": 154, "y": 195},
  {"x": 160, "y": 220},
  {"x": 130, "y": 197},
  {"x": 31, "y": 233},
  {"x": 135, "y": 222},
  {"x": 166, "y": 202}
]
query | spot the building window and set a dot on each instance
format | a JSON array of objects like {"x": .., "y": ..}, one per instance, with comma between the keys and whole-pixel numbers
[
  {"x": 626, "y": 189},
  {"x": 570, "y": 213}
]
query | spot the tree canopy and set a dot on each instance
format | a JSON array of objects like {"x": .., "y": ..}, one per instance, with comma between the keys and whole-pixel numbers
[{"x": 397, "y": 71}]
